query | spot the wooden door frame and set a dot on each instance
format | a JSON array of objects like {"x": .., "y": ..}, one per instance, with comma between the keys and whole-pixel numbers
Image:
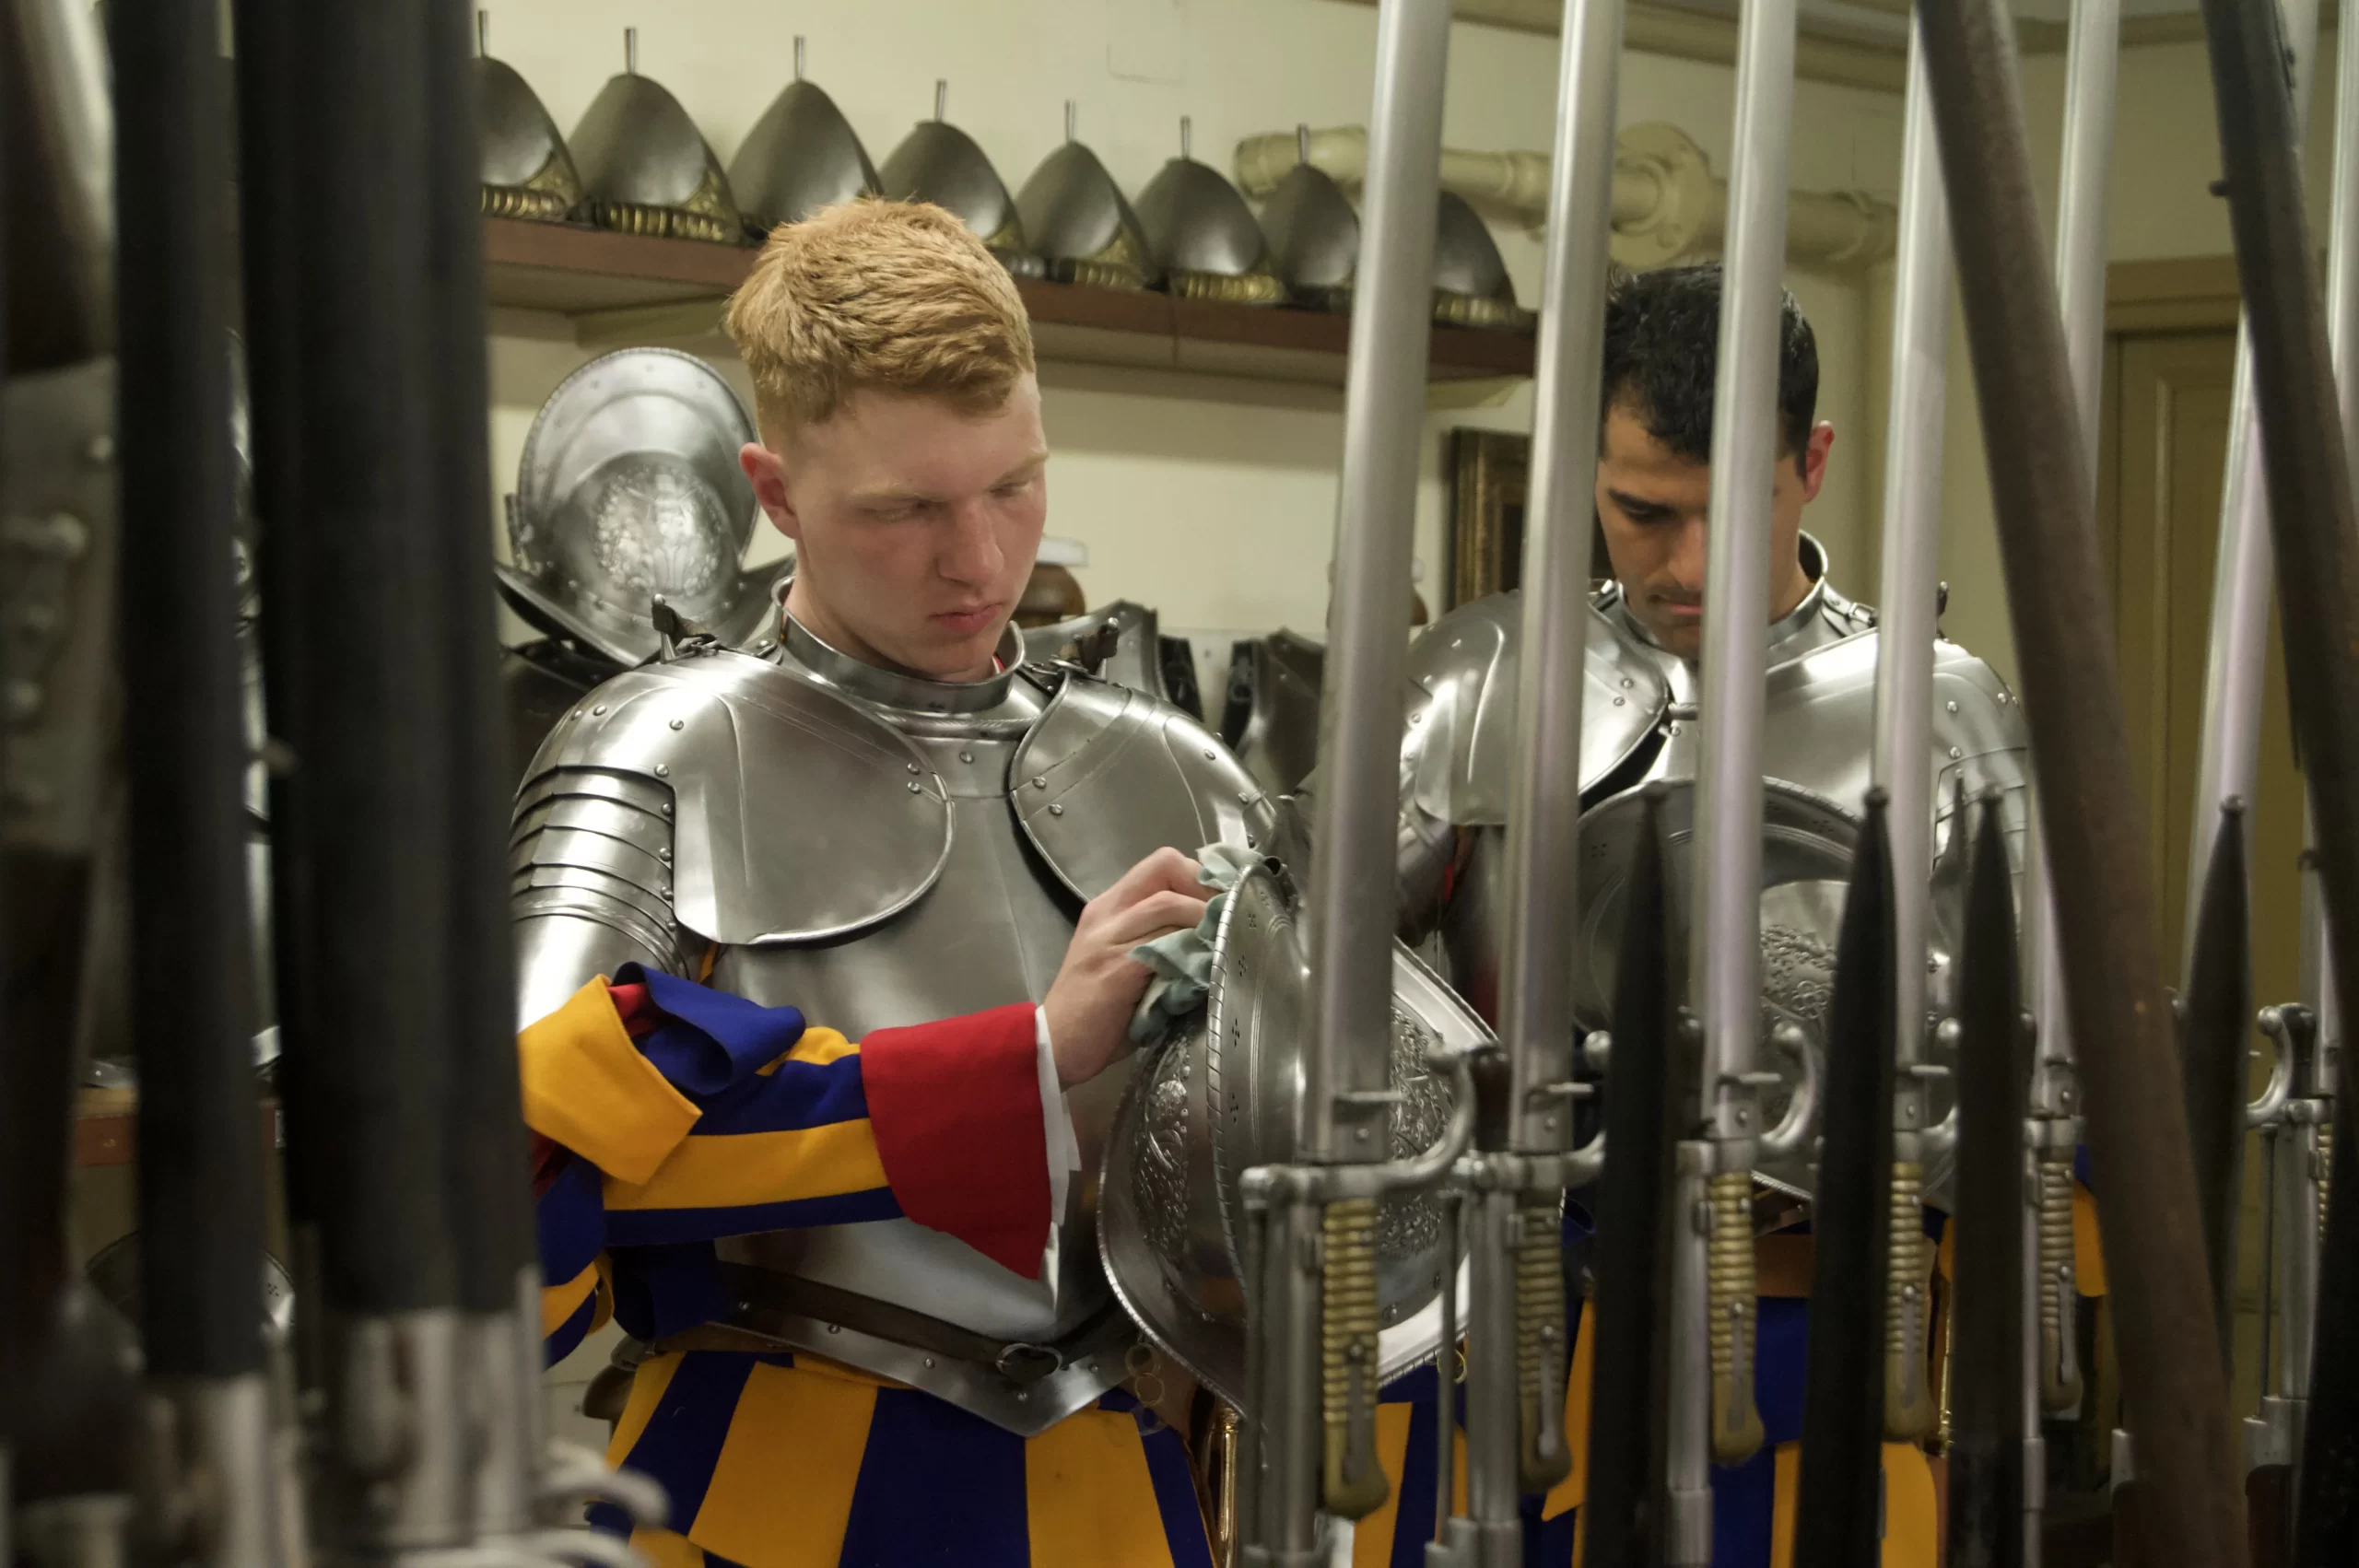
[{"x": 2176, "y": 294}]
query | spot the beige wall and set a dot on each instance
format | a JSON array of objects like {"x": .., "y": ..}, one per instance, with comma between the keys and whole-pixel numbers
[
  {"x": 1214, "y": 500},
  {"x": 2166, "y": 153}
]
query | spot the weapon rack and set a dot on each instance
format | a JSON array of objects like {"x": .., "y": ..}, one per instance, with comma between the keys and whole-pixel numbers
[{"x": 617, "y": 286}]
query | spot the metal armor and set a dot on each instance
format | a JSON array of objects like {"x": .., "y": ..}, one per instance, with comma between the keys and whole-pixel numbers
[
  {"x": 526, "y": 171},
  {"x": 645, "y": 167},
  {"x": 1203, "y": 236},
  {"x": 1120, "y": 643},
  {"x": 1080, "y": 222},
  {"x": 1638, "y": 725},
  {"x": 802, "y": 155},
  {"x": 877, "y": 850},
  {"x": 1470, "y": 284},
  {"x": 1314, "y": 234},
  {"x": 938, "y": 163},
  {"x": 1272, "y": 715},
  {"x": 628, "y": 491}
]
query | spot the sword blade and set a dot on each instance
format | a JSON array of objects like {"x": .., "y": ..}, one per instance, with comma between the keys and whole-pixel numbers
[
  {"x": 1851, "y": 1226},
  {"x": 2093, "y": 829},
  {"x": 1636, "y": 1210}
]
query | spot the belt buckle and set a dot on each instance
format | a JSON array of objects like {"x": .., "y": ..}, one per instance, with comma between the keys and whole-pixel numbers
[{"x": 1028, "y": 1364}]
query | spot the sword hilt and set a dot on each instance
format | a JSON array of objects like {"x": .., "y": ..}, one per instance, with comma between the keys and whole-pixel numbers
[
  {"x": 1544, "y": 1457},
  {"x": 1736, "y": 1421},
  {"x": 2326, "y": 1171},
  {"x": 1909, "y": 1407},
  {"x": 2060, "y": 1359},
  {"x": 1352, "y": 1484}
]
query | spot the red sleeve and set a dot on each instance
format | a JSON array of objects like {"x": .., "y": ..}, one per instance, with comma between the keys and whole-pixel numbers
[{"x": 956, "y": 1110}]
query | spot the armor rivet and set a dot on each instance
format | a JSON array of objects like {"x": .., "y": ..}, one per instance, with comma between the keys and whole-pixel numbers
[
  {"x": 1056, "y": 810},
  {"x": 663, "y": 770},
  {"x": 913, "y": 787},
  {"x": 966, "y": 757},
  {"x": 835, "y": 1327},
  {"x": 912, "y": 768},
  {"x": 663, "y": 855},
  {"x": 1040, "y": 781},
  {"x": 1209, "y": 757},
  {"x": 600, "y": 708},
  {"x": 1674, "y": 729},
  {"x": 667, "y": 808},
  {"x": 928, "y": 1361},
  {"x": 2002, "y": 699},
  {"x": 1628, "y": 683},
  {"x": 764, "y": 646},
  {"x": 1621, "y": 701},
  {"x": 575, "y": 714},
  {"x": 1955, "y": 754},
  {"x": 679, "y": 723},
  {"x": 1950, "y": 706},
  {"x": 101, "y": 450}
]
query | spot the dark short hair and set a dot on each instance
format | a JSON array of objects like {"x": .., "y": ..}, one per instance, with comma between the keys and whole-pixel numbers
[{"x": 1662, "y": 334}]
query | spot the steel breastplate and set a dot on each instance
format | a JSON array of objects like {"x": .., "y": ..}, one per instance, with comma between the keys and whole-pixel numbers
[{"x": 1054, "y": 784}]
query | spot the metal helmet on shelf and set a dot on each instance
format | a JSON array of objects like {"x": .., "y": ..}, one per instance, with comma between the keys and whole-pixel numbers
[
  {"x": 1313, "y": 231},
  {"x": 1202, "y": 235},
  {"x": 1470, "y": 284},
  {"x": 1081, "y": 224},
  {"x": 628, "y": 494},
  {"x": 938, "y": 163},
  {"x": 526, "y": 173},
  {"x": 645, "y": 168},
  {"x": 801, "y": 156}
]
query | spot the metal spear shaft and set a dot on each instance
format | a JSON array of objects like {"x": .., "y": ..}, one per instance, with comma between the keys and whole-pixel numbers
[
  {"x": 2088, "y": 806},
  {"x": 1516, "y": 1359},
  {"x": 1306, "y": 1425},
  {"x": 1910, "y": 597},
  {"x": 1712, "y": 1414}
]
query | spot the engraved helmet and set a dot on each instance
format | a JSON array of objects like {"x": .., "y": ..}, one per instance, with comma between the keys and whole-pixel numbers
[
  {"x": 526, "y": 171},
  {"x": 1314, "y": 234},
  {"x": 1081, "y": 224},
  {"x": 801, "y": 156},
  {"x": 645, "y": 168},
  {"x": 629, "y": 491},
  {"x": 1470, "y": 284},
  {"x": 1807, "y": 843},
  {"x": 938, "y": 163},
  {"x": 1202, "y": 235},
  {"x": 1224, "y": 1094}
]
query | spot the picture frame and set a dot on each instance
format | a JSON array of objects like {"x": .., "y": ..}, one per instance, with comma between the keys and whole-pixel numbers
[{"x": 1490, "y": 475}]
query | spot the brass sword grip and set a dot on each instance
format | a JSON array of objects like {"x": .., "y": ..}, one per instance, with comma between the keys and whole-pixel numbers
[
  {"x": 1908, "y": 1411},
  {"x": 1352, "y": 1484},
  {"x": 1544, "y": 1456},
  {"x": 2059, "y": 1357},
  {"x": 1736, "y": 1421}
]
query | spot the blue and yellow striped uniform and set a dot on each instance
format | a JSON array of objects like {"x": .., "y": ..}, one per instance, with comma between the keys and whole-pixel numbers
[{"x": 669, "y": 1116}]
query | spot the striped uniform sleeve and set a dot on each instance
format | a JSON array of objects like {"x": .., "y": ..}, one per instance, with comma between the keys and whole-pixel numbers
[{"x": 666, "y": 1113}]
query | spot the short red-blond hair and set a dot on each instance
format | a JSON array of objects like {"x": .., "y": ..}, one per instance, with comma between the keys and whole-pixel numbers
[{"x": 895, "y": 297}]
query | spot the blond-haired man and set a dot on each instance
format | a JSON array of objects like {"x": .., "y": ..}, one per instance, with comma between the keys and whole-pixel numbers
[{"x": 827, "y": 943}]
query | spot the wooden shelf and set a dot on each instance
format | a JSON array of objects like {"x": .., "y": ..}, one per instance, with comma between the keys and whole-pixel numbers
[{"x": 619, "y": 286}]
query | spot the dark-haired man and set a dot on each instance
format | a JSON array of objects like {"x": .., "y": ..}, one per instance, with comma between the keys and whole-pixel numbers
[{"x": 1640, "y": 722}]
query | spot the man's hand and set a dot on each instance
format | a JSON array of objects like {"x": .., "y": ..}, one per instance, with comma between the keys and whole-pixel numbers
[{"x": 1100, "y": 985}]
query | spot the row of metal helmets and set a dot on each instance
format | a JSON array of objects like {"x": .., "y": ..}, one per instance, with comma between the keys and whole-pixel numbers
[{"x": 638, "y": 163}]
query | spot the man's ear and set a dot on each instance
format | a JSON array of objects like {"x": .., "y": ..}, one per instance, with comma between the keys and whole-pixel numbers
[
  {"x": 1822, "y": 436},
  {"x": 766, "y": 470}
]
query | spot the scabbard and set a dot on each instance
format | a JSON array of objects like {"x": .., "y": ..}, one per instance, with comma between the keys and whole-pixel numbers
[
  {"x": 1987, "y": 1343},
  {"x": 1636, "y": 1210},
  {"x": 2217, "y": 1026},
  {"x": 1838, "y": 1496},
  {"x": 190, "y": 971},
  {"x": 2093, "y": 824}
]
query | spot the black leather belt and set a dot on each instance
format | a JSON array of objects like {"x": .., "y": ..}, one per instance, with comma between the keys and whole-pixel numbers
[{"x": 766, "y": 1300}]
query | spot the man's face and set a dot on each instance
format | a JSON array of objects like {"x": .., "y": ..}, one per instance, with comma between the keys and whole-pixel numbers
[
  {"x": 914, "y": 525},
  {"x": 1653, "y": 503}
]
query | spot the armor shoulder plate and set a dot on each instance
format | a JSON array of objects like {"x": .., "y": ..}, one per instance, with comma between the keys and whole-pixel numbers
[
  {"x": 1108, "y": 776},
  {"x": 1459, "y": 754},
  {"x": 797, "y": 815}
]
